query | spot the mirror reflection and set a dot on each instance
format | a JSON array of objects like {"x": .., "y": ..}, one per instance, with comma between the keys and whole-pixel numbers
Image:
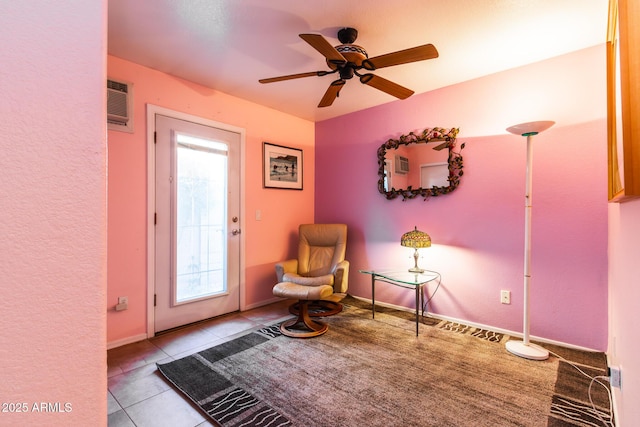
[{"x": 423, "y": 164}]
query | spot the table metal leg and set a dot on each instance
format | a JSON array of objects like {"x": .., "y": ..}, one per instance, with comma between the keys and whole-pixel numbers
[
  {"x": 373, "y": 296},
  {"x": 417, "y": 308},
  {"x": 395, "y": 278}
]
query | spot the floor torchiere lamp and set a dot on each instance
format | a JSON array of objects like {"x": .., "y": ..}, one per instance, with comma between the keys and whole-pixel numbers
[{"x": 524, "y": 348}]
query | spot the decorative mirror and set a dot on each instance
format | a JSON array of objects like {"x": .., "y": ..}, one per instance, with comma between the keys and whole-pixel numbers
[{"x": 423, "y": 164}]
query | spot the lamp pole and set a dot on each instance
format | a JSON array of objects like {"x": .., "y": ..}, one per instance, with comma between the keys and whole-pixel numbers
[
  {"x": 527, "y": 236},
  {"x": 524, "y": 348}
]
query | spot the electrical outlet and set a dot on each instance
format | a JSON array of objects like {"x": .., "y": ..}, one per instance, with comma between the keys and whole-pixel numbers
[
  {"x": 615, "y": 376},
  {"x": 505, "y": 297},
  {"x": 123, "y": 303}
]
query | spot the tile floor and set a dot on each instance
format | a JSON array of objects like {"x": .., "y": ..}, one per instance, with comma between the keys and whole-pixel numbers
[{"x": 137, "y": 393}]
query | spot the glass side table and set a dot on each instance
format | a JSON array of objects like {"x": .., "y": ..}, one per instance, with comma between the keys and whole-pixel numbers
[{"x": 404, "y": 279}]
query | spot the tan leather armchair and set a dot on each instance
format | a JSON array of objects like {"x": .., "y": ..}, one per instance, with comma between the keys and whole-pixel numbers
[{"x": 318, "y": 278}]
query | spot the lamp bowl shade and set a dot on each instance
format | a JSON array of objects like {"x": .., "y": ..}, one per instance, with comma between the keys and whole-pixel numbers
[
  {"x": 530, "y": 128},
  {"x": 415, "y": 239}
]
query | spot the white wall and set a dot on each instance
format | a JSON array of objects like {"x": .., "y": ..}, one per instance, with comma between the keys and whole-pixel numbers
[{"x": 624, "y": 302}]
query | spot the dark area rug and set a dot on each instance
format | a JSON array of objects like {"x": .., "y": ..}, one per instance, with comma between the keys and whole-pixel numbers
[{"x": 378, "y": 373}]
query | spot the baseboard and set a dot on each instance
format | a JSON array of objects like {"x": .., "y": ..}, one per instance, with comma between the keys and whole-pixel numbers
[
  {"x": 125, "y": 341},
  {"x": 261, "y": 303},
  {"x": 479, "y": 325},
  {"x": 614, "y": 403},
  {"x": 142, "y": 337}
]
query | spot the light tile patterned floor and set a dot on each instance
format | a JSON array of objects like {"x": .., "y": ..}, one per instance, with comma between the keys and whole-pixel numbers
[{"x": 137, "y": 393}]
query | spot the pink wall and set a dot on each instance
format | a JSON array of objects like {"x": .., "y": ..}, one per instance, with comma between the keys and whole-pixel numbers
[
  {"x": 266, "y": 241},
  {"x": 478, "y": 230},
  {"x": 53, "y": 226},
  {"x": 624, "y": 294}
]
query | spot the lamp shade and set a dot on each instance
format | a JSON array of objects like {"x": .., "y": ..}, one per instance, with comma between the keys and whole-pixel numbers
[
  {"x": 415, "y": 239},
  {"x": 530, "y": 128}
]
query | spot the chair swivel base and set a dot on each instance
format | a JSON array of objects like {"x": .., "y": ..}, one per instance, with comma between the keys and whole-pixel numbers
[
  {"x": 320, "y": 308},
  {"x": 303, "y": 326}
]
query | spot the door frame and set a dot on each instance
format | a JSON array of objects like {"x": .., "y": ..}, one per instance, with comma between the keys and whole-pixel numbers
[{"x": 152, "y": 110}]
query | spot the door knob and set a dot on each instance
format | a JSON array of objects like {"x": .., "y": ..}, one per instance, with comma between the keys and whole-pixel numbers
[{"x": 235, "y": 231}]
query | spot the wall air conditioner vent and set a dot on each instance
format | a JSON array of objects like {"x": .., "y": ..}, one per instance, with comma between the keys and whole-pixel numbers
[
  {"x": 402, "y": 165},
  {"x": 119, "y": 106}
]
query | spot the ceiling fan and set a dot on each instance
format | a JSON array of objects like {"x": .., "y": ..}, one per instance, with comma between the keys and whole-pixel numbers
[{"x": 348, "y": 59}]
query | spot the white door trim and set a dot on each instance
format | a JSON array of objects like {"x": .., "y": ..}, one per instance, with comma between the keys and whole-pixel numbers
[{"x": 152, "y": 110}]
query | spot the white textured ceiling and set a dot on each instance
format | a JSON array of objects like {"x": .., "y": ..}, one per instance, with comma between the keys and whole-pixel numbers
[{"x": 228, "y": 45}]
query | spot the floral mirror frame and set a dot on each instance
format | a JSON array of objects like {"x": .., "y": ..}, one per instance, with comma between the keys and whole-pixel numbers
[{"x": 448, "y": 138}]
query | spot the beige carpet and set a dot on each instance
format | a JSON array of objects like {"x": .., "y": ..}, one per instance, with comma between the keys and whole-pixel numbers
[{"x": 366, "y": 372}]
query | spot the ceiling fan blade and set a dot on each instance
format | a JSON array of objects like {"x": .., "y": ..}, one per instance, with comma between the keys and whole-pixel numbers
[
  {"x": 293, "y": 76},
  {"x": 387, "y": 86},
  {"x": 418, "y": 53},
  {"x": 321, "y": 44},
  {"x": 331, "y": 94}
]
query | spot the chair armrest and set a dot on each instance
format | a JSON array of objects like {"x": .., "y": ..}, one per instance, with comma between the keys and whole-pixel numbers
[
  {"x": 288, "y": 266},
  {"x": 324, "y": 280},
  {"x": 341, "y": 277}
]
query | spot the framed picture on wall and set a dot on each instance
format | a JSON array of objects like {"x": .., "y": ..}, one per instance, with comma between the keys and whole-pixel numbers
[{"x": 282, "y": 167}]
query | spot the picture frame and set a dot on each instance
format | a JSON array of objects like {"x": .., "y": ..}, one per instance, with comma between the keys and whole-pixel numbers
[
  {"x": 623, "y": 101},
  {"x": 282, "y": 167}
]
